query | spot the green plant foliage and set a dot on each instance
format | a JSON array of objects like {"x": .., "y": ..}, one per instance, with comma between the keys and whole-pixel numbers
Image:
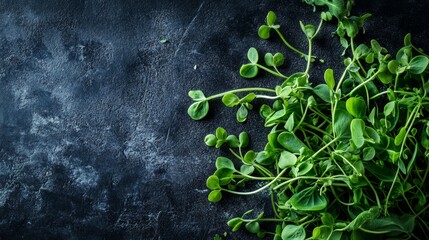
[{"x": 346, "y": 159}]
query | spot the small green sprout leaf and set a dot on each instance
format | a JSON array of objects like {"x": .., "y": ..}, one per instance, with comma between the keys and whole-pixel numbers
[
  {"x": 248, "y": 70},
  {"x": 308, "y": 199},
  {"x": 287, "y": 159},
  {"x": 264, "y": 32},
  {"x": 293, "y": 232},
  {"x": 198, "y": 110},
  {"x": 329, "y": 78},
  {"x": 252, "y": 55},
  {"x": 271, "y": 18},
  {"x": 418, "y": 64},
  {"x": 215, "y": 196},
  {"x": 357, "y": 128},
  {"x": 212, "y": 183}
]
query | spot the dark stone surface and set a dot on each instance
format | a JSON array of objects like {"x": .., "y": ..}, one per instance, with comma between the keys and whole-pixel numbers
[{"x": 95, "y": 142}]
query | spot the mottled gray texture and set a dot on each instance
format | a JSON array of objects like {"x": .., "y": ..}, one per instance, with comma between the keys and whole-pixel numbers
[{"x": 95, "y": 142}]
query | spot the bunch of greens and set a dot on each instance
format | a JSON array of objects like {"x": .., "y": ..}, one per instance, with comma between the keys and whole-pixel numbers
[{"x": 347, "y": 159}]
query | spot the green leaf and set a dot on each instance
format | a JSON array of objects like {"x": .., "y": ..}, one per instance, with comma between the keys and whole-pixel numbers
[
  {"x": 249, "y": 157},
  {"x": 253, "y": 227},
  {"x": 372, "y": 134},
  {"x": 290, "y": 142},
  {"x": 242, "y": 113},
  {"x": 293, "y": 232},
  {"x": 400, "y": 137},
  {"x": 252, "y": 55},
  {"x": 407, "y": 39},
  {"x": 198, "y": 110},
  {"x": 232, "y": 141},
  {"x": 308, "y": 199},
  {"x": 210, "y": 140},
  {"x": 287, "y": 159},
  {"x": 389, "y": 108},
  {"x": 248, "y": 98},
  {"x": 328, "y": 219},
  {"x": 342, "y": 120},
  {"x": 247, "y": 169},
  {"x": 394, "y": 67},
  {"x": 413, "y": 159},
  {"x": 224, "y": 175},
  {"x": 357, "y": 128},
  {"x": 356, "y": 107},
  {"x": 196, "y": 95},
  {"x": 221, "y": 133},
  {"x": 368, "y": 153},
  {"x": 278, "y": 59},
  {"x": 323, "y": 91},
  {"x": 269, "y": 59},
  {"x": 235, "y": 223},
  {"x": 212, "y": 183},
  {"x": 385, "y": 174},
  {"x": 309, "y": 30},
  {"x": 223, "y": 162},
  {"x": 271, "y": 18},
  {"x": 243, "y": 138},
  {"x": 215, "y": 196},
  {"x": 290, "y": 123},
  {"x": 248, "y": 70},
  {"x": 230, "y": 100},
  {"x": 264, "y": 32},
  {"x": 329, "y": 78},
  {"x": 363, "y": 218},
  {"x": 418, "y": 64}
]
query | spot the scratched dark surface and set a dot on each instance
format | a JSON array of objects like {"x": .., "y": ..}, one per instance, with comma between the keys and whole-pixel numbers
[{"x": 95, "y": 142}]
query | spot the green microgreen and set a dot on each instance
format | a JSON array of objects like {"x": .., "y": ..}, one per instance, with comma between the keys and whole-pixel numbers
[{"x": 345, "y": 159}]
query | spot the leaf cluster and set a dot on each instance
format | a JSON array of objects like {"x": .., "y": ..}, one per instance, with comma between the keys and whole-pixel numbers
[{"x": 345, "y": 159}]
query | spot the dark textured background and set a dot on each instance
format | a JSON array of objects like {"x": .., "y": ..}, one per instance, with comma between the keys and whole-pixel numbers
[{"x": 95, "y": 142}]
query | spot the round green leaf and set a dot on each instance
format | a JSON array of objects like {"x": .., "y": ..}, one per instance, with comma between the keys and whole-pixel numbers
[
  {"x": 215, "y": 196},
  {"x": 418, "y": 64},
  {"x": 196, "y": 95},
  {"x": 212, "y": 183},
  {"x": 368, "y": 153},
  {"x": 252, "y": 55},
  {"x": 293, "y": 232},
  {"x": 247, "y": 169},
  {"x": 223, "y": 162},
  {"x": 232, "y": 141},
  {"x": 224, "y": 175},
  {"x": 253, "y": 227},
  {"x": 210, "y": 140},
  {"x": 242, "y": 113},
  {"x": 264, "y": 32},
  {"x": 278, "y": 59},
  {"x": 308, "y": 199},
  {"x": 356, "y": 107},
  {"x": 269, "y": 59},
  {"x": 389, "y": 108},
  {"x": 271, "y": 18},
  {"x": 393, "y": 66},
  {"x": 243, "y": 139},
  {"x": 249, "y": 157},
  {"x": 198, "y": 110},
  {"x": 230, "y": 100},
  {"x": 287, "y": 159},
  {"x": 221, "y": 133},
  {"x": 248, "y": 71}
]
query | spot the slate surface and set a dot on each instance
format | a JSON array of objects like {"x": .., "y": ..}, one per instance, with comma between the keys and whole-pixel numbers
[{"x": 95, "y": 142}]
